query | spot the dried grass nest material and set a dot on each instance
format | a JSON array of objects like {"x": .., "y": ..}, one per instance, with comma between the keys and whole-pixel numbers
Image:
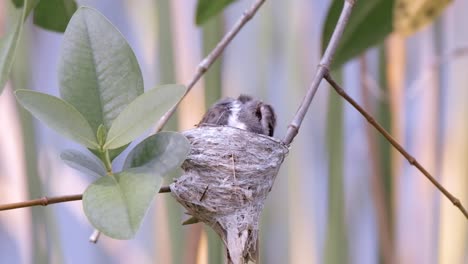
[{"x": 227, "y": 176}]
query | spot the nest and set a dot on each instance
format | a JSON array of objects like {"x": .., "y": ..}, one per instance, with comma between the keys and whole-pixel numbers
[{"x": 227, "y": 177}]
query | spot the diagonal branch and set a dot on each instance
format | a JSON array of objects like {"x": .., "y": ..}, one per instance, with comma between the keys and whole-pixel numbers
[
  {"x": 211, "y": 58},
  {"x": 323, "y": 67},
  {"x": 395, "y": 144}
]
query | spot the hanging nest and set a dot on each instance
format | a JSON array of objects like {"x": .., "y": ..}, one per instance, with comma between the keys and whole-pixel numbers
[{"x": 227, "y": 176}]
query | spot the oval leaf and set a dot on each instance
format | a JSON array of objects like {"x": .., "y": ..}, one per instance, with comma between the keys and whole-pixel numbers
[
  {"x": 116, "y": 205},
  {"x": 99, "y": 74},
  {"x": 54, "y": 14},
  {"x": 162, "y": 153},
  {"x": 58, "y": 115},
  {"x": 369, "y": 24},
  {"x": 89, "y": 165},
  {"x": 141, "y": 114}
]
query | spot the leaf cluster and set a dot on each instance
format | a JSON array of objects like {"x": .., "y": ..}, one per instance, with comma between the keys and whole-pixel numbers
[{"x": 103, "y": 107}]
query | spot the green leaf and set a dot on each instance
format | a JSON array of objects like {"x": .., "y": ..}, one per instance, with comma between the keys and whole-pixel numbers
[
  {"x": 18, "y": 3},
  {"x": 54, "y": 14},
  {"x": 162, "y": 152},
  {"x": 99, "y": 74},
  {"x": 101, "y": 135},
  {"x": 369, "y": 24},
  {"x": 141, "y": 114},
  {"x": 113, "y": 153},
  {"x": 10, "y": 40},
  {"x": 116, "y": 205},
  {"x": 209, "y": 8},
  {"x": 58, "y": 115},
  {"x": 30, "y": 5},
  {"x": 89, "y": 165}
]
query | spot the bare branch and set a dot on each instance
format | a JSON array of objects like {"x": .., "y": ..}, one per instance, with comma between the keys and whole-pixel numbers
[
  {"x": 214, "y": 54},
  {"x": 94, "y": 237},
  {"x": 395, "y": 144},
  {"x": 323, "y": 68},
  {"x": 44, "y": 201}
]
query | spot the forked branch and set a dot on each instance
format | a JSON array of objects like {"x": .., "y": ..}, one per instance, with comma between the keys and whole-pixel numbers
[
  {"x": 293, "y": 128},
  {"x": 323, "y": 68}
]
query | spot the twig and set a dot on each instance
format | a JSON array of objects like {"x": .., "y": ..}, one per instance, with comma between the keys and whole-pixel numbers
[
  {"x": 395, "y": 144},
  {"x": 214, "y": 54},
  {"x": 44, "y": 201},
  {"x": 323, "y": 67},
  {"x": 94, "y": 237}
]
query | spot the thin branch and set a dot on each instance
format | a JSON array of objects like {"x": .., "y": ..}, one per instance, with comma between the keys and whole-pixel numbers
[
  {"x": 323, "y": 68},
  {"x": 44, "y": 201},
  {"x": 94, "y": 237},
  {"x": 214, "y": 54},
  {"x": 395, "y": 144}
]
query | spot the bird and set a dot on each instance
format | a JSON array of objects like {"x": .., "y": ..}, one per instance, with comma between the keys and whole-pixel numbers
[{"x": 245, "y": 113}]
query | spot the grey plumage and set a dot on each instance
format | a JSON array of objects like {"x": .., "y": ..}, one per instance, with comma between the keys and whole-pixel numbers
[
  {"x": 218, "y": 113},
  {"x": 243, "y": 112}
]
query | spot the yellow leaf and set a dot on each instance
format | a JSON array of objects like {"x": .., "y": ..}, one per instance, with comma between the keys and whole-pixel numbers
[{"x": 410, "y": 16}]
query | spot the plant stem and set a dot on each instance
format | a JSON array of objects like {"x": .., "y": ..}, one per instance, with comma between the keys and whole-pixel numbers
[
  {"x": 105, "y": 158},
  {"x": 104, "y": 155},
  {"x": 324, "y": 65},
  {"x": 44, "y": 201},
  {"x": 394, "y": 143}
]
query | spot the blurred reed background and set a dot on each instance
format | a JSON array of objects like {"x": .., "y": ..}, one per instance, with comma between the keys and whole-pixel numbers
[{"x": 342, "y": 196}]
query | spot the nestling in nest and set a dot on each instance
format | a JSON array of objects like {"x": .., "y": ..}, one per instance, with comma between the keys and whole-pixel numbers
[{"x": 230, "y": 170}]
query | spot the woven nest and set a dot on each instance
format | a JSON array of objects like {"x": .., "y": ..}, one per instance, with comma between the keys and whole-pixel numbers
[{"x": 227, "y": 176}]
